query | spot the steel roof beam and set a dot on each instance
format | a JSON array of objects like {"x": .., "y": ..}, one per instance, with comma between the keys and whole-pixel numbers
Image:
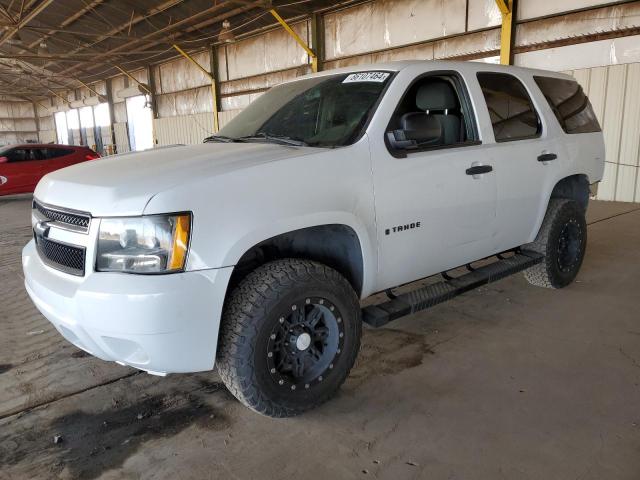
[
  {"x": 80, "y": 13},
  {"x": 177, "y": 25},
  {"x": 24, "y": 20},
  {"x": 124, "y": 26}
]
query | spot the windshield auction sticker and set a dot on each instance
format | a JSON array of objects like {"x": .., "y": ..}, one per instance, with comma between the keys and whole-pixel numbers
[{"x": 366, "y": 77}]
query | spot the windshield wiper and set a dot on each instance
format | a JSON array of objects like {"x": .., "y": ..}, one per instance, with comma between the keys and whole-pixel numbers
[
  {"x": 222, "y": 138},
  {"x": 281, "y": 139}
]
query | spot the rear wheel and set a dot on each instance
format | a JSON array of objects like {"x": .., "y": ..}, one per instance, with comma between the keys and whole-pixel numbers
[
  {"x": 562, "y": 240},
  {"x": 290, "y": 334}
]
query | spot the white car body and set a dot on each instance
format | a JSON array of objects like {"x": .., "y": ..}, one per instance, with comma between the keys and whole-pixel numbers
[{"x": 243, "y": 194}]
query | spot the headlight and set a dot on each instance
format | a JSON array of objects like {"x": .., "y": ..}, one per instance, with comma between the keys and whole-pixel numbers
[{"x": 149, "y": 244}]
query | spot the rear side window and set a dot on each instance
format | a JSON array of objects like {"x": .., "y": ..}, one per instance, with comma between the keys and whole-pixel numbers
[
  {"x": 58, "y": 152},
  {"x": 39, "y": 153},
  {"x": 569, "y": 104},
  {"x": 512, "y": 113}
]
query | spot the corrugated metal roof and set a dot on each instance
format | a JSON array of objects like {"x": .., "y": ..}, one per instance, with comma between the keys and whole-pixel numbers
[{"x": 53, "y": 44}]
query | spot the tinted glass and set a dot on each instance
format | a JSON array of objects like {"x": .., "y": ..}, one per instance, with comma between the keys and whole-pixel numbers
[
  {"x": 18, "y": 155},
  {"x": 322, "y": 111},
  {"x": 512, "y": 113},
  {"x": 58, "y": 152},
  {"x": 39, "y": 153},
  {"x": 432, "y": 114},
  {"x": 569, "y": 104}
]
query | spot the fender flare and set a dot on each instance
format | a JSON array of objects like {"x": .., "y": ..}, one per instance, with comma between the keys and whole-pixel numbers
[{"x": 269, "y": 230}]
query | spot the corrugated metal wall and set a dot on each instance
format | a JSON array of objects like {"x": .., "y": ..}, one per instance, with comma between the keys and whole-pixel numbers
[
  {"x": 121, "y": 133},
  {"x": 47, "y": 136},
  {"x": 91, "y": 140},
  {"x": 188, "y": 129},
  {"x": 17, "y": 122},
  {"x": 614, "y": 92}
]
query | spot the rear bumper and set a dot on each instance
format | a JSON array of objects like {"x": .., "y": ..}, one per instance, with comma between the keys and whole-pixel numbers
[{"x": 158, "y": 323}]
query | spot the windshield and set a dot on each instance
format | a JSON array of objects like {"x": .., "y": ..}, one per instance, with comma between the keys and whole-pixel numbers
[{"x": 327, "y": 111}]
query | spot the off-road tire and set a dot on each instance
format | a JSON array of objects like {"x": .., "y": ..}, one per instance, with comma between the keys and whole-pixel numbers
[
  {"x": 551, "y": 272},
  {"x": 251, "y": 313}
]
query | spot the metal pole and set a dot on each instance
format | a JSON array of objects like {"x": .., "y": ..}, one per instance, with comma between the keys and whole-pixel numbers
[
  {"x": 100, "y": 97},
  {"x": 506, "y": 33},
  {"x": 296, "y": 37},
  {"x": 214, "y": 95},
  {"x": 131, "y": 77},
  {"x": 112, "y": 117}
]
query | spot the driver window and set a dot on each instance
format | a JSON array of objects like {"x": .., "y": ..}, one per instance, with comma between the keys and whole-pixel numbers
[
  {"x": 431, "y": 114},
  {"x": 19, "y": 155}
]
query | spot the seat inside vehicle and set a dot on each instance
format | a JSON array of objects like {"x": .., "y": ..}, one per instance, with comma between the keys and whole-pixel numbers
[{"x": 430, "y": 114}]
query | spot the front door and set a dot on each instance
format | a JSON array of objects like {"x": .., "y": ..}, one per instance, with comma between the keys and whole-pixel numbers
[
  {"x": 436, "y": 200},
  {"x": 20, "y": 172}
]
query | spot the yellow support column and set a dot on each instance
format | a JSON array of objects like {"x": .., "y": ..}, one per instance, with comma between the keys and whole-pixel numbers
[
  {"x": 506, "y": 33},
  {"x": 296, "y": 37},
  {"x": 214, "y": 96},
  {"x": 134, "y": 79},
  {"x": 59, "y": 96},
  {"x": 100, "y": 97}
]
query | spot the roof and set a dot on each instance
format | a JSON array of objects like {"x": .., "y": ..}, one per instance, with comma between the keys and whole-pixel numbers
[
  {"x": 43, "y": 145},
  {"x": 52, "y": 45},
  {"x": 458, "y": 65}
]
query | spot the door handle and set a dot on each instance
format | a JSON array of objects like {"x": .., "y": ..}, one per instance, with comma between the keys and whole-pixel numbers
[
  {"x": 547, "y": 157},
  {"x": 479, "y": 169}
]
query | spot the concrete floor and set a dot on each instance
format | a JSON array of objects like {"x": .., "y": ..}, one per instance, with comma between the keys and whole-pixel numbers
[{"x": 509, "y": 381}]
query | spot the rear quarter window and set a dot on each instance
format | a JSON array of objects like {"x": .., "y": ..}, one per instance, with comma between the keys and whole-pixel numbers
[
  {"x": 569, "y": 104},
  {"x": 512, "y": 113}
]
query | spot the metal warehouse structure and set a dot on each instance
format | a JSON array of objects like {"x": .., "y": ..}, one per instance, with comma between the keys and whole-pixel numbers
[{"x": 71, "y": 71}]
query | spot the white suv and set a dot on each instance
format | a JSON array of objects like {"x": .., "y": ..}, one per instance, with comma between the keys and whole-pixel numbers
[{"x": 252, "y": 250}]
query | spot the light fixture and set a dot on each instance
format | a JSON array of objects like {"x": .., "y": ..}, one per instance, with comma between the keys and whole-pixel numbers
[
  {"x": 43, "y": 49},
  {"x": 226, "y": 35}
]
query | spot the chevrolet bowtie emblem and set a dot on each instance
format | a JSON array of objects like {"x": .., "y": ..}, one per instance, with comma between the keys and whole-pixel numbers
[{"x": 41, "y": 229}]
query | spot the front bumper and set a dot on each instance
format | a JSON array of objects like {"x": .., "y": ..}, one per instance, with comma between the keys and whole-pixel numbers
[{"x": 157, "y": 323}]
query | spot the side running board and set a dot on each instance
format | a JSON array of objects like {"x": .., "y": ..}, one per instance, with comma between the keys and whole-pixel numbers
[{"x": 426, "y": 297}]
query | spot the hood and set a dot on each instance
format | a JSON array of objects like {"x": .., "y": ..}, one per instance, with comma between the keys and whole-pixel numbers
[{"x": 124, "y": 184}]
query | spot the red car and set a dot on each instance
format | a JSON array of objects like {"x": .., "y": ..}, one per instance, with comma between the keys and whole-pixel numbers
[{"x": 22, "y": 166}]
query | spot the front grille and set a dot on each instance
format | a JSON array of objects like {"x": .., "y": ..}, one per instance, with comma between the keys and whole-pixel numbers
[
  {"x": 78, "y": 220},
  {"x": 68, "y": 258}
]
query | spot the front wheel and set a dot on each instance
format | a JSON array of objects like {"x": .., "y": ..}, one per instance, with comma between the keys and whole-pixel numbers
[
  {"x": 562, "y": 240},
  {"x": 290, "y": 334}
]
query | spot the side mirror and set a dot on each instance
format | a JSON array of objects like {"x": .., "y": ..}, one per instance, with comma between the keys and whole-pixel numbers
[
  {"x": 398, "y": 140},
  {"x": 4, "y": 159}
]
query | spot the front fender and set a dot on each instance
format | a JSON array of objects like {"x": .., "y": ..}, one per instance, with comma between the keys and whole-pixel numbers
[
  {"x": 268, "y": 230},
  {"x": 235, "y": 210}
]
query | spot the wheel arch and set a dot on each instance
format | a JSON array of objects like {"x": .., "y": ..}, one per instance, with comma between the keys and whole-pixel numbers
[
  {"x": 573, "y": 187},
  {"x": 339, "y": 245}
]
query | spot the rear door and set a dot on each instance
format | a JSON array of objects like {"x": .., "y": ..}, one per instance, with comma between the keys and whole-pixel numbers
[
  {"x": 21, "y": 172},
  {"x": 61, "y": 157},
  {"x": 581, "y": 132},
  {"x": 526, "y": 154}
]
